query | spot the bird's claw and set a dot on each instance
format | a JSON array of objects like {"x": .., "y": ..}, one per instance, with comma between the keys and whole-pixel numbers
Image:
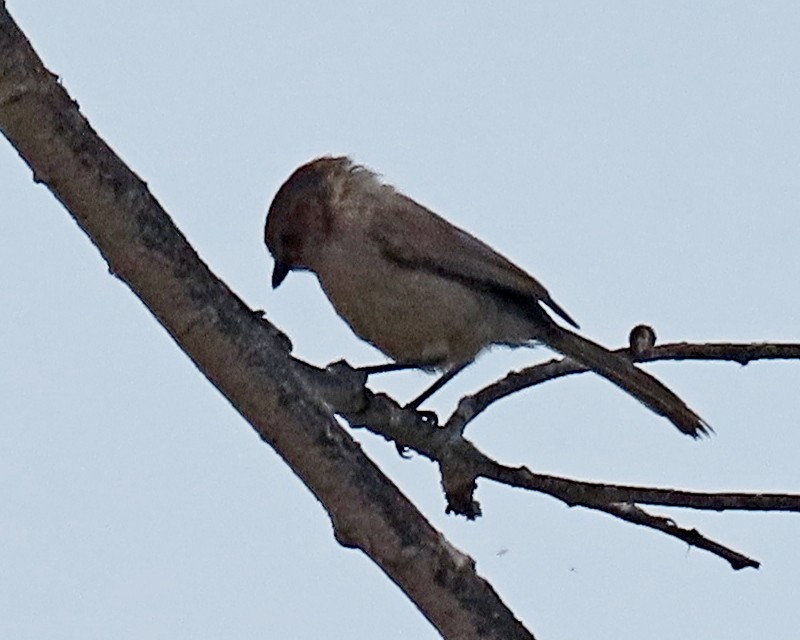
[{"x": 402, "y": 450}]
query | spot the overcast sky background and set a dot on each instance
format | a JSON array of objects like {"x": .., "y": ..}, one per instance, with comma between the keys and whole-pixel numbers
[{"x": 641, "y": 159}]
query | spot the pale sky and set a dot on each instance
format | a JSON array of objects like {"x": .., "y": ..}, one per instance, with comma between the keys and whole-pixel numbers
[{"x": 641, "y": 159}]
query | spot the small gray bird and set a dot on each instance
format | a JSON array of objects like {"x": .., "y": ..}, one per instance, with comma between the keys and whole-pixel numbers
[{"x": 424, "y": 292}]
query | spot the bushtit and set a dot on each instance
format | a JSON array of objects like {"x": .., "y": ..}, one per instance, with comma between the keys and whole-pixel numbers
[{"x": 424, "y": 292}]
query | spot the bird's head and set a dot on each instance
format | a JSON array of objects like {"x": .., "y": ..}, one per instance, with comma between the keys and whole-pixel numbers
[{"x": 299, "y": 221}]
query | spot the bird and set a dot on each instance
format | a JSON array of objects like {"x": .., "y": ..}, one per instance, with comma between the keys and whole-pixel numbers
[{"x": 421, "y": 290}]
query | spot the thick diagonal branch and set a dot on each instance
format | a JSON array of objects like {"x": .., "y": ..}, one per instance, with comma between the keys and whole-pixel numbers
[{"x": 244, "y": 357}]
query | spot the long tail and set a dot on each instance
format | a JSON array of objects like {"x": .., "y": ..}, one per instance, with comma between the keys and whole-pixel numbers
[{"x": 621, "y": 371}]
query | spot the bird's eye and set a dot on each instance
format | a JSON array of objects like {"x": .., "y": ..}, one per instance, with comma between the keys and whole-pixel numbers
[{"x": 291, "y": 244}]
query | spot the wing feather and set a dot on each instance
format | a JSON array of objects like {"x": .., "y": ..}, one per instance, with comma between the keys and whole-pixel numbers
[{"x": 442, "y": 248}]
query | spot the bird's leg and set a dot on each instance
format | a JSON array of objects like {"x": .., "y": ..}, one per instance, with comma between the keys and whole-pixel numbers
[
  {"x": 429, "y": 416},
  {"x": 386, "y": 368},
  {"x": 447, "y": 376}
]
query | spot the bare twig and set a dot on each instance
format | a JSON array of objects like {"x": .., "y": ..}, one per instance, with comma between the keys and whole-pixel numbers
[
  {"x": 472, "y": 405},
  {"x": 692, "y": 537}
]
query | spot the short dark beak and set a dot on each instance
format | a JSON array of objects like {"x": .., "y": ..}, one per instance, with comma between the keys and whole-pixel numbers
[{"x": 279, "y": 273}]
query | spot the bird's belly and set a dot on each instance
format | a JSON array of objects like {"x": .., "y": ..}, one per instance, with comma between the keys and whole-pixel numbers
[{"x": 420, "y": 318}]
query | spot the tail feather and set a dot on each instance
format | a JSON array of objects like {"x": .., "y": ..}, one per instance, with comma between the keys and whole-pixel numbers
[{"x": 621, "y": 371}]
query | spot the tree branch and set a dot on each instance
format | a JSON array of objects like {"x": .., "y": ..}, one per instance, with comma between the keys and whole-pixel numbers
[
  {"x": 246, "y": 358},
  {"x": 462, "y": 464},
  {"x": 473, "y": 405},
  {"x": 692, "y": 537}
]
